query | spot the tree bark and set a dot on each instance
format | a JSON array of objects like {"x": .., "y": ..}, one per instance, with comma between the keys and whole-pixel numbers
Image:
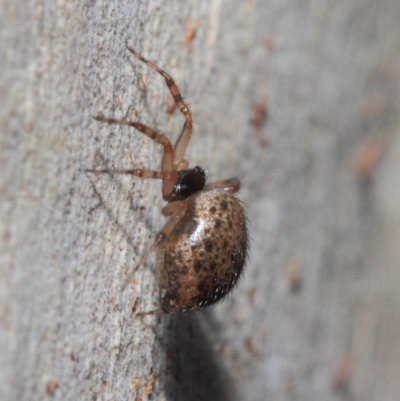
[{"x": 316, "y": 315}]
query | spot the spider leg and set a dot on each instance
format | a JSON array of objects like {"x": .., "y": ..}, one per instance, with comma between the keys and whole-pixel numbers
[
  {"x": 231, "y": 185},
  {"x": 167, "y": 160},
  {"x": 137, "y": 172},
  {"x": 175, "y": 210},
  {"x": 167, "y": 168},
  {"x": 184, "y": 137}
]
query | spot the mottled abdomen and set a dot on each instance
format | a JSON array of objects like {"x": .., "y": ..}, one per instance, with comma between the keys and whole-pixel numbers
[{"x": 204, "y": 255}]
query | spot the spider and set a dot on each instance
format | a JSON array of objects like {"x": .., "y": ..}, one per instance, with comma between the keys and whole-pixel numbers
[{"x": 202, "y": 248}]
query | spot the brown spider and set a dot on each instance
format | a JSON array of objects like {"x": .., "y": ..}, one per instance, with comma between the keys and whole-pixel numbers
[{"x": 202, "y": 248}]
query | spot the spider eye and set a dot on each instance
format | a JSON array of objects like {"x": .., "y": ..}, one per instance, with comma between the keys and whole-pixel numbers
[{"x": 189, "y": 182}]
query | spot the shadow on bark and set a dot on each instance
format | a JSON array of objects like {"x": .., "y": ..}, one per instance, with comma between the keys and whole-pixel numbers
[{"x": 194, "y": 370}]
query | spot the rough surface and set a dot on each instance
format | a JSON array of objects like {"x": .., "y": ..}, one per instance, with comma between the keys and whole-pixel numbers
[{"x": 316, "y": 316}]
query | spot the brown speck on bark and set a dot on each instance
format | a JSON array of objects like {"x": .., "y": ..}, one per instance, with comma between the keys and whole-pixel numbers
[
  {"x": 135, "y": 383},
  {"x": 367, "y": 156},
  {"x": 150, "y": 384},
  {"x": 342, "y": 372},
  {"x": 136, "y": 305},
  {"x": 269, "y": 42},
  {"x": 190, "y": 32},
  {"x": 248, "y": 345},
  {"x": 50, "y": 387},
  {"x": 260, "y": 115},
  {"x": 292, "y": 276}
]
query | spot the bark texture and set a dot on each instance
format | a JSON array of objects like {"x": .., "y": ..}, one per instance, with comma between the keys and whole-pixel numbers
[{"x": 317, "y": 315}]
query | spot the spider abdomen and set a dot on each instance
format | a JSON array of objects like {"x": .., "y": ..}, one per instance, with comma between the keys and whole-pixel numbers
[
  {"x": 204, "y": 255},
  {"x": 202, "y": 248}
]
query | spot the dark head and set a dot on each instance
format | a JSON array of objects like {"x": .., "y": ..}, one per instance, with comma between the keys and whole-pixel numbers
[{"x": 188, "y": 182}]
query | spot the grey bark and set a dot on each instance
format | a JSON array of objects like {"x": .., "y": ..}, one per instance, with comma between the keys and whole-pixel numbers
[{"x": 330, "y": 72}]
